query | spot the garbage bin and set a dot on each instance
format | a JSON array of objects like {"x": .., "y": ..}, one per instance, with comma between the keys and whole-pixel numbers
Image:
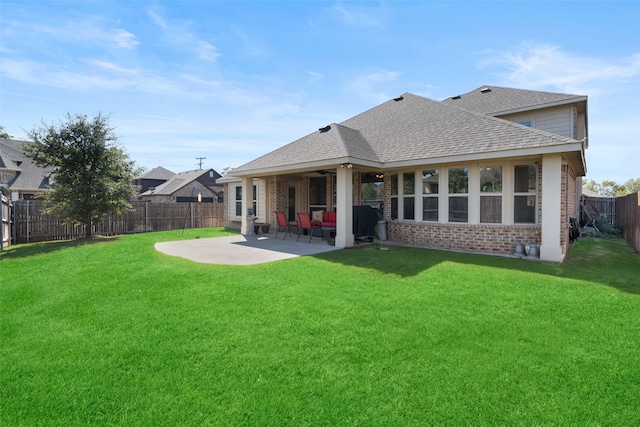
[{"x": 382, "y": 229}]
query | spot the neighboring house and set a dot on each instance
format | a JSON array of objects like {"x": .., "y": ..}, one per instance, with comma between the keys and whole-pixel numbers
[
  {"x": 191, "y": 186},
  {"x": 478, "y": 172},
  {"x": 153, "y": 178},
  {"x": 19, "y": 175}
]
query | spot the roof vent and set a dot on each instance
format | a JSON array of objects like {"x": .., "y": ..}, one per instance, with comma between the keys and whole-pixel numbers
[
  {"x": 456, "y": 97},
  {"x": 400, "y": 98},
  {"x": 325, "y": 129},
  {"x": 485, "y": 90}
]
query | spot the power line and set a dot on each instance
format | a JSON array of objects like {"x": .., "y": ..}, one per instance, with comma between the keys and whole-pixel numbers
[{"x": 200, "y": 159}]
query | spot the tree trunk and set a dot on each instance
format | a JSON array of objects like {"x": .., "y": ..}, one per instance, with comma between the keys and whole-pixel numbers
[{"x": 87, "y": 230}]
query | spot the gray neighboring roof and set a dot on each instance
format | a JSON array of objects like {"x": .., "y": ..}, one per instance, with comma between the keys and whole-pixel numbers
[
  {"x": 410, "y": 131},
  {"x": 501, "y": 100},
  {"x": 30, "y": 177},
  {"x": 158, "y": 173},
  {"x": 176, "y": 182}
]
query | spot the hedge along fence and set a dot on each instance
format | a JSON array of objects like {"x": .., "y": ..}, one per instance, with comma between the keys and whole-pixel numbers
[
  {"x": 31, "y": 224},
  {"x": 628, "y": 213}
]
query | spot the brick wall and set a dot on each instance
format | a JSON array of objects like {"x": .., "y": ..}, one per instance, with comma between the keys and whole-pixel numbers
[{"x": 493, "y": 239}]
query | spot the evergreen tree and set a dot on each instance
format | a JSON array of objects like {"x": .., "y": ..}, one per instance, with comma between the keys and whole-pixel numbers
[{"x": 92, "y": 176}]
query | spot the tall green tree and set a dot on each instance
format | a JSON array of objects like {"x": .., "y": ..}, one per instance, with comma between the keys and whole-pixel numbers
[
  {"x": 92, "y": 175},
  {"x": 610, "y": 188},
  {"x": 4, "y": 134}
]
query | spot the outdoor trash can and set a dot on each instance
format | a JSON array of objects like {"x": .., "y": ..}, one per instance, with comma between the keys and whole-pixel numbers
[{"x": 382, "y": 229}]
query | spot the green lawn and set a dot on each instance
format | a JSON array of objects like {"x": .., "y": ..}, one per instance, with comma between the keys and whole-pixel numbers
[{"x": 111, "y": 332}]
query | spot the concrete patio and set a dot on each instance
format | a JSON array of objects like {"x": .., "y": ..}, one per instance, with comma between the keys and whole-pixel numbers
[{"x": 244, "y": 250}]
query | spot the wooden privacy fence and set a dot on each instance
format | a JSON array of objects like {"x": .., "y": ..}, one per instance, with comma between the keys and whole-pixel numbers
[
  {"x": 32, "y": 225},
  {"x": 601, "y": 210},
  {"x": 628, "y": 211}
]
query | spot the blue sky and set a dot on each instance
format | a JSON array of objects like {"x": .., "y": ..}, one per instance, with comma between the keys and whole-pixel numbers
[{"x": 230, "y": 81}]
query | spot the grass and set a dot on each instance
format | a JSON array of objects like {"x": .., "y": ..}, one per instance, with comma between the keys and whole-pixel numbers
[{"x": 111, "y": 332}]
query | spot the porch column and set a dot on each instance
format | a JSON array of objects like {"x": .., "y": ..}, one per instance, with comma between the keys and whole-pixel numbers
[
  {"x": 344, "y": 208},
  {"x": 550, "y": 249},
  {"x": 247, "y": 194}
]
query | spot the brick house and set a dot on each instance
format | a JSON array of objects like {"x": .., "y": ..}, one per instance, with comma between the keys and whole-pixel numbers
[{"x": 476, "y": 172}]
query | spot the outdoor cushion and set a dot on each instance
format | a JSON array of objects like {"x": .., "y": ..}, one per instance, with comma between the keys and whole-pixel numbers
[
  {"x": 329, "y": 219},
  {"x": 317, "y": 216}
]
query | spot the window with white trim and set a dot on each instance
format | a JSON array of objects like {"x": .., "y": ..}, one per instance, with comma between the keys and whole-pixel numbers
[
  {"x": 430, "y": 187},
  {"x": 408, "y": 195},
  {"x": 525, "y": 194},
  {"x": 458, "y": 194},
  {"x": 238, "y": 200},
  {"x": 257, "y": 201},
  {"x": 491, "y": 194},
  {"x": 394, "y": 196}
]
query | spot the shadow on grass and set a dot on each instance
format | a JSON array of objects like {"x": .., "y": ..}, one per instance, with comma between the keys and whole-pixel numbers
[
  {"x": 606, "y": 261},
  {"x": 26, "y": 250}
]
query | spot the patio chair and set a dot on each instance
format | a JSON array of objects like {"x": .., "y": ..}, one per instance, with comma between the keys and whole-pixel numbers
[
  {"x": 305, "y": 223},
  {"x": 282, "y": 222}
]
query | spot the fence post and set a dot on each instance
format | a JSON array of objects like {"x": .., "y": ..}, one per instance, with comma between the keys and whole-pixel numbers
[
  {"x": 27, "y": 221},
  {"x": 3, "y": 201},
  {"x": 191, "y": 209}
]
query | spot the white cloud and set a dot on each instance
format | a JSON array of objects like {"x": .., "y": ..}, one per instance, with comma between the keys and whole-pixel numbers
[
  {"x": 355, "y": 16},
  {"x": 370, "y": 85},
  {"x": 543, "y": 66},
  {"x": 612, "y": 85},
  {"x": 180, "y": 34},
  {"x": 315, "y": 77}
]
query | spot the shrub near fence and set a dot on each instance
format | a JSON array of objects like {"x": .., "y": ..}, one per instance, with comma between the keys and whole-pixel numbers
[
  {"x": 628, "y": 211},
  {"x": 32, "y": 225}
]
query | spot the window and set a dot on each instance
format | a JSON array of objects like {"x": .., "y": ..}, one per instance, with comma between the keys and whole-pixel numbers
[
  {"x": 255, "y": 200},
  {"x": 372, "y": 189},
  {"x": 458, "y": 194},
  {"x": 318, "y": 192},
  {"x": 394, "y": 196},
  {"x": 491, "y": 194},
  {"x": 525, "y": 194},
  {"x": 527, "y": 123},
  {"x": 408, "y": 195},
  {"x": 430, "y": 195},
  {"x": 238, "y": 200}
]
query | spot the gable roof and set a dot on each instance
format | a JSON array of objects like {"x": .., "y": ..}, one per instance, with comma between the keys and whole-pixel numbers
[
  {"x": 158, "y": 173},
  {"x": 29, "y": 177},
  {"x": 405, "y": 131},
  {"x": 496, "y": 100},
  {"x": 177, "y": 182}
]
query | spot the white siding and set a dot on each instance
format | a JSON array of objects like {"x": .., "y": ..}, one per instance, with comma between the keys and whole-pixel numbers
[{"x": 558, "y": 120}]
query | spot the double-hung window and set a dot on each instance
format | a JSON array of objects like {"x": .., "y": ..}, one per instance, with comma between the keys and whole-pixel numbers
[
  {"x": 458, "y": 194},
  {"x": 430, "y": 194},
  {"x": 491, "y": 194},
  {"x": 525, "y": 194},
  {"x": 408, "y": 195},
  {"x": 394, "y": 196},
  {"x": 238, "y": 200}
]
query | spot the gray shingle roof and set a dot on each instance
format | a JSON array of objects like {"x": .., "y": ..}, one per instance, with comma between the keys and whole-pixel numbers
[
  {"x": 157, "y": 173},
  {"x": 176, "y": 182},
  {"x": 30, "y": 178},
  {"x": 495, "y": 100},
  {"x": 413, "y": 129}
]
